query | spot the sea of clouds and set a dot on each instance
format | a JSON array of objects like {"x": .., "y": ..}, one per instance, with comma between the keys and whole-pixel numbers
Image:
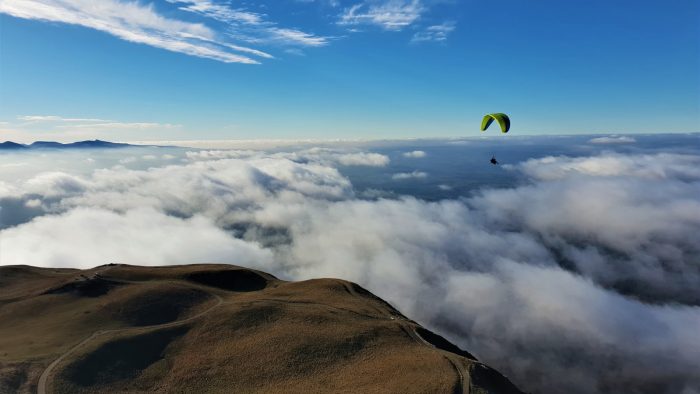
[{"x": 582, "y": 278}]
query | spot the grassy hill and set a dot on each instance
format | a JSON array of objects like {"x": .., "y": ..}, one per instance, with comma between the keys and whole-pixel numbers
[{"x": 216, "y": 329}]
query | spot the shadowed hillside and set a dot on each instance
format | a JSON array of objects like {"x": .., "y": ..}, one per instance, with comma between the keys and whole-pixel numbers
[{"x": 216, "y": 329}]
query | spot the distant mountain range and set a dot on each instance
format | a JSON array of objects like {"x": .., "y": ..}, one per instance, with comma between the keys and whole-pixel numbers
[{"x": 91, "y": 144}]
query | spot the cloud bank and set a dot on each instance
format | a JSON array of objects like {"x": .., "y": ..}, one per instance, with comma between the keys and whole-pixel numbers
[{"x": 582, "y": 279}]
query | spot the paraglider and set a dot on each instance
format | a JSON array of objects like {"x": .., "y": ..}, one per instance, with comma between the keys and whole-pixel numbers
[{"x": 502, "y": 119}]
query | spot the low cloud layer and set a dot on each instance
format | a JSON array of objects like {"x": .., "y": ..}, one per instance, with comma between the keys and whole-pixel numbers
[{"x": 582, "y": 279}]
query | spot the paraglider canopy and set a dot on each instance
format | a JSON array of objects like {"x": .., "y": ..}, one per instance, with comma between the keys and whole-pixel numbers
[{"x": 502, "y": 119}]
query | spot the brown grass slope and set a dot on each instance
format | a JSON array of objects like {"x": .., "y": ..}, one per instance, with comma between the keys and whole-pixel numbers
[{"x": 216, "y": 329}]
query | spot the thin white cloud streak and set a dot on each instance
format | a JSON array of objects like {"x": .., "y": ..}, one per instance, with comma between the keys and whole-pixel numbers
[
  {"x": 577, "y": 282},
  {"x": 218, "y": 145},
  {"x": 53, "y": 118},
  {"x": 30, "y": 128},
  {"x": 133, "y": 22},
  {"x": 612, "y": 140},
  {"x": 294, "y": 36},
  {"x": 121, "y": 126},
  {"x": 325, "y": 156}
]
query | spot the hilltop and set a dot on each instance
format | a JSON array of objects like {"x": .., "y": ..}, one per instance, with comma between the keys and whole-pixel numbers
[{"x": 216, "y": 328}]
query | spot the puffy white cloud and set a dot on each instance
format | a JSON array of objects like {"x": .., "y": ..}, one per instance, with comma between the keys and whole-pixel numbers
[
  {"x": 582, "y": 279},
  {"x": 416, "y": 154},
  {"x": 83, "y": 236},
  {"x": 409, "y": 175},
  {"x": 55, "y": 184},
  {"x": 363, "y": 159}
]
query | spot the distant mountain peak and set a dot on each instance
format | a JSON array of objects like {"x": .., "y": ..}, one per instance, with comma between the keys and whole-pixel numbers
[{"x": 11, "y": 145}]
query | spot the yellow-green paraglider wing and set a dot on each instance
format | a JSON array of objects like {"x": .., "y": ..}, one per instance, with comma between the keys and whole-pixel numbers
[{"x": 502, "y": 119}]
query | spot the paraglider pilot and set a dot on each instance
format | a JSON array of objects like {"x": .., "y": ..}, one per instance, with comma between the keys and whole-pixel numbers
[{"x": 503, "y": 121}]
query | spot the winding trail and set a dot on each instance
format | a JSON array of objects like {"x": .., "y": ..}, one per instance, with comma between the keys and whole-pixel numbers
[{"x": 44, "y": 378}]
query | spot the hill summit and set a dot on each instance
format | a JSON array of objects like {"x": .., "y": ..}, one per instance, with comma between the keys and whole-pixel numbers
[{"x": 216, "y": 329}]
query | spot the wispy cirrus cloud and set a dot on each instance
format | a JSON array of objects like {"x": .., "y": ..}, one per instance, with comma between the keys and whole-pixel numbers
[
  {"x": 144, "y": 24},
  {"x": 435, "y": 33},
  {"x": 390, "y": 15},
  {"x": 221, "y": 31},
  {"x": 293, "y": 36},
  {"x": 135, "y": 22},
  {"x": 397, "y": 15},
  {"x": 218, "y": 11},
  {"x": 250, "y": 26}
]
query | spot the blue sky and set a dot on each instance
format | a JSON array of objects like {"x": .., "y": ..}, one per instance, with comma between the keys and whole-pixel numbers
[{"x": 195, "y": 69}]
